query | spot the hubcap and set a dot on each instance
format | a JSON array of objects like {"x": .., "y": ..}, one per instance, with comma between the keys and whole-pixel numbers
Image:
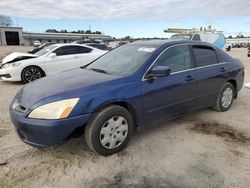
[
  {"x": 32, "y": 74},
  {"x": 227, "y": 97},
  {"x": 113, "y": 132}
]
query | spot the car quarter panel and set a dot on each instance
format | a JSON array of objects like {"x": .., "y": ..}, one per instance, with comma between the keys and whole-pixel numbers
[
  {"x": 238, "y": 73},
  {"x": 210, "y": 80}
]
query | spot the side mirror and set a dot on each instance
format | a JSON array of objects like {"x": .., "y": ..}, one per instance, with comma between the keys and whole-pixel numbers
[
  {"x": 52, "y": 55},
  {"x": 159, "y": 71}
]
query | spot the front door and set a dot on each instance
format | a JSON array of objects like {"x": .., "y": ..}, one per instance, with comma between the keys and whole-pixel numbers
[
  {"x": 167, "y": 97},
  {"x": 67, "y": 57}
]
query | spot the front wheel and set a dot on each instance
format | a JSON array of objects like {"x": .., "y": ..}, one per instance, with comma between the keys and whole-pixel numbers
[
  {"x": 31, "y": 73},
  {"x": 225, "y": 98},
  {"x": 110, "y": 130}
]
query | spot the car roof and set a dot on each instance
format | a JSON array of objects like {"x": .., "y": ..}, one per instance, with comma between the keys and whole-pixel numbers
[
  {"x": 71, "y": 44},
  {"x": 169, "y": 42}
]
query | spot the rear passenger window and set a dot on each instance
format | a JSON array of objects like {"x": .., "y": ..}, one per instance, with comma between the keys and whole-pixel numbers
[
  {"x": 176, "y": 58},
  {"x": 71, "y": 50},
  {"x": 83, "y": 49},
  {"x": 204, "y": 56}
]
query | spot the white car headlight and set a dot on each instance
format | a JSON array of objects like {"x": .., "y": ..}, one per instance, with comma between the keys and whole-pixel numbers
[
  {"x": 54, "y": 110},
  {"x": 11, "y": 65}
]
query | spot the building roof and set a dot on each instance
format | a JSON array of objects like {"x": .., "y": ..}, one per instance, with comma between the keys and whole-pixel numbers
[
  {"x": 75, "y": 36},
  {"x": 9, "y": 27}
]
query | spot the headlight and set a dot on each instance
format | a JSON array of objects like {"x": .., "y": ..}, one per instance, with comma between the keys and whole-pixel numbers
[
  {"x": 54, "y": 110},
  {"x": 11, "y": 65}
]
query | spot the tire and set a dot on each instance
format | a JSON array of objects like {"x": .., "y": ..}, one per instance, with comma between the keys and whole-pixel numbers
[
  {"x": 102, "y": 134},
  {"x": 31, "y": 73},
  {"x": 228, "y": 48},
  {"x": 224, "y": 104}
]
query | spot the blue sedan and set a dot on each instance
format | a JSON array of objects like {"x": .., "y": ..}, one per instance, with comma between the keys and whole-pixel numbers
[{"x": 139, "y": 84}]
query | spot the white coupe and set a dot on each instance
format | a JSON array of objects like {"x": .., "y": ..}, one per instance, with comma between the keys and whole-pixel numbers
[{"x": 50, "y": 60}]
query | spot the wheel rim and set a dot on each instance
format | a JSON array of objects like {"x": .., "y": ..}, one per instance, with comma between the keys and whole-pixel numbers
[
  {"x": 114, "y": 132},
  {"x": 227, "y": 97},
  {"x": 32, "y": 74}
]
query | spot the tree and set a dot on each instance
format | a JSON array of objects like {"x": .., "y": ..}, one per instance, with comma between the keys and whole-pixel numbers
[
  {"x": 63, "y": 31},
  {"x": 127, "y": 38},
  {"x": 52, "y": 31},
  {"x": 240, "y": 36},
  {"x": 88, "y": 32},
  {"x": 5, "y": 21},
  {"x": 230, "y": 37},
  {"x": 79, "y": 31}
]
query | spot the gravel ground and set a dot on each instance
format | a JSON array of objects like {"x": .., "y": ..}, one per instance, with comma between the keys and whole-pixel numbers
[{"x": 204, "y": 149}]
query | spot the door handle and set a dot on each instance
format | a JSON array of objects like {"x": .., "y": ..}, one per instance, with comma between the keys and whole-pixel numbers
[
  {"x": 189, "y": 78},
  {"x": 222, "y": 69}
]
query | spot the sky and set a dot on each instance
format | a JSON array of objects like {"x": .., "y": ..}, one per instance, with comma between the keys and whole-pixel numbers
[{"x": 120, "y": 18}]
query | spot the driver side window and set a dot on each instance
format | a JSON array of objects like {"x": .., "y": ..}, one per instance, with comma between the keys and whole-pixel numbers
[{"x": 176, "y": 58}]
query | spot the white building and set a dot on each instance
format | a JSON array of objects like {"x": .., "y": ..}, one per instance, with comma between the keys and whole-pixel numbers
[
  {"x": 238, "y": 41},
  {"x": 16, "y": 36}
]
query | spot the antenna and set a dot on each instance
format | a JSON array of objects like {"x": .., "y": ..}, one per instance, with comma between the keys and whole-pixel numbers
[{"x": 17, "y": 22}]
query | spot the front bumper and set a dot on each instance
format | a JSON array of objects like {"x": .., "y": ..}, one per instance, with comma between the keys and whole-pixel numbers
[
  {"x": 10, "y": 74},
  {"x": 45, "y": 133}
]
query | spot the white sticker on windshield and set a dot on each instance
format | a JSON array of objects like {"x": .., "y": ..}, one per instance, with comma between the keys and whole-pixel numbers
[{"x": 144, "y": 49}]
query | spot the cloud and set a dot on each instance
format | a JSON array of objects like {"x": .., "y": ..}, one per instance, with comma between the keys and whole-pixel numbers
[{"x": 160, "y": 10}]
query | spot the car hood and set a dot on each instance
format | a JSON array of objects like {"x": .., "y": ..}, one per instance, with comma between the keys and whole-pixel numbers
[
  {"x": 17, "y": 56},
  {"x": 68, "y": 84}
]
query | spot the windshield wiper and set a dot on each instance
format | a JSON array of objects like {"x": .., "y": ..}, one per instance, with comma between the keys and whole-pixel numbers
[{"x": 99, "y": 70}]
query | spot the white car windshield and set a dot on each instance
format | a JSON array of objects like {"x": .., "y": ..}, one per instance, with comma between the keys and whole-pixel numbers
[{"x": 45, "y": 50}]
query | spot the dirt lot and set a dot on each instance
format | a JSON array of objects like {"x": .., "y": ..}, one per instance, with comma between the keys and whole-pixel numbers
[{"x": 205, "y": 149}]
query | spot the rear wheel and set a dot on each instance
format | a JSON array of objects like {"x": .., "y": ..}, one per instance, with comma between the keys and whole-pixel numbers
[
  {"x": 225, "y": 98},
  {"x": 110, "y": 130},
  {"x": 31, "y": 73}
]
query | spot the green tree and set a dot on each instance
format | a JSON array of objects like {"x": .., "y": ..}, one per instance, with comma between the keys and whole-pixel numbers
[
  {"x": 52, "y": 31},
  {"x": 5, "y": 21},
  {"x": 88, "y": 32}
]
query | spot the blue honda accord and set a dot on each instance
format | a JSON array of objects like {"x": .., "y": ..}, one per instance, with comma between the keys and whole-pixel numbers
[{"x": 139, "y": 84}]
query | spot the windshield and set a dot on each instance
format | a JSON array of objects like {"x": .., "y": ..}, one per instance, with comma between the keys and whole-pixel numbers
[
  {"x": 182, "y": 36},
  {"x": 124, "y": 60},
  {"x": 45, "y": 50}
]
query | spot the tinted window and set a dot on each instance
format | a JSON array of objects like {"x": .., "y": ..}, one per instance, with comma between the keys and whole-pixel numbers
[
  {"x": 220, "y": 56},
  {"x": 176, "y": 58},
  {"x": 83, "y": 49},
  {"x": 204, "y": 56},
  {"x": 70, "y": 50},
  {"x": 98, "y": 46}
]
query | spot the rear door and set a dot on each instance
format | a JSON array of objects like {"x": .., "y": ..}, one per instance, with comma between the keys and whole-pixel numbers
[
  {"x": 211, "y": 74},
  {"x": 167, "y": 97}
]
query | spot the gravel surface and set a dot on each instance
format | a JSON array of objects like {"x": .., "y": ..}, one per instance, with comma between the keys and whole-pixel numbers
[{"x": 203, "y": 149}]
